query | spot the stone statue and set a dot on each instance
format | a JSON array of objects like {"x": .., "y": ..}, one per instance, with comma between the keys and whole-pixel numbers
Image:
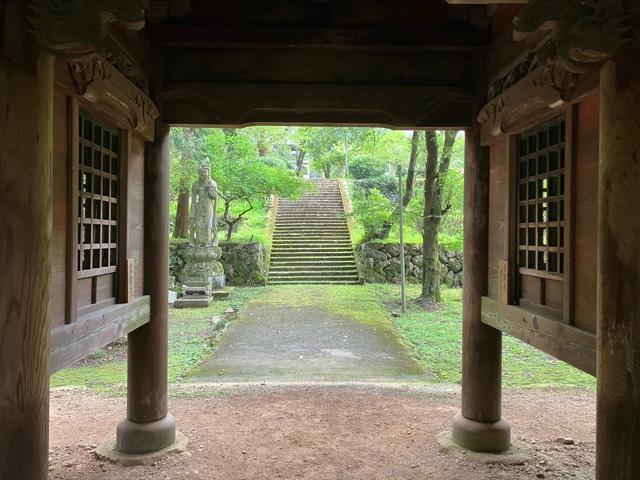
[
  {"x": 203, "y": 221},
  {"x": 204, "y": 274}
]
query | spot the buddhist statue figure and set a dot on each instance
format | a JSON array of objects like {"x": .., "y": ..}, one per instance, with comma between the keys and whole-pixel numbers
[
  {"x": 203, "y": 221},
  {"x": 203, "y": 273}
]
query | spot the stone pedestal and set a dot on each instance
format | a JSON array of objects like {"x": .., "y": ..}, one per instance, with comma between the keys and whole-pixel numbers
[{"x": 204, "y": 277}]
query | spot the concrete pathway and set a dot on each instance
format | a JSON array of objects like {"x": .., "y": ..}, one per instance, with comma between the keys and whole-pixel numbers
[{"x": 311, "y": 333}]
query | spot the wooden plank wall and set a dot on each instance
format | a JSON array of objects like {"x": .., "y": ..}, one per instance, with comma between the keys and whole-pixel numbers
[
  {"x": 586, "y": 183},
  {"x": 586, "y": 212},
  {"x": 59, "y": 236},
  {"x": 135, "y": 187},
  {"x": 135, "y": 210},
  {"x": 497, "y": 211}
]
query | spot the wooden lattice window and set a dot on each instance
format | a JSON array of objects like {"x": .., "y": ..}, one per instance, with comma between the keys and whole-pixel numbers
[
  {"x": 98, "y": 156},
  {"x": 541, "y": 201}
]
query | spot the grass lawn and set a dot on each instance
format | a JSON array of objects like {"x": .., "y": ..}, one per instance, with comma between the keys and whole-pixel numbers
[
  {"x": 191, "y": 335},
  {"x": 433, "y": 337},
  {"x": 253, "y": 228},
  {"x": 436, "y": 338}
]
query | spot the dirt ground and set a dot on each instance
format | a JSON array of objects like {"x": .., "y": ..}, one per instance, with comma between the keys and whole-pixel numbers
[{"x": 324, "y": 432}]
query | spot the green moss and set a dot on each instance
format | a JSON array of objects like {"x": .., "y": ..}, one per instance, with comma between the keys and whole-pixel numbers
[
  {"x": 433, "y": 337},
  {"x": 436, "y": 337},
  {"x": 355, "y": 301},
  {"x": 191, "y": 334}
]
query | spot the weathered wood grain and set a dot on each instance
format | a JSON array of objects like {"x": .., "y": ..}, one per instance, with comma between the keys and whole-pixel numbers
[
  {"x": 552, "y": 336},
  {"x": 481, "y": 344},
  {"x": 585, "y": 230},
  {"x": 147, "y": 346},
  {"x": 71, "y": 343},
  {"x": 26, "y": 151},
  {"x": 228, "y": 104},
  {"x": 618, "y": 421}
]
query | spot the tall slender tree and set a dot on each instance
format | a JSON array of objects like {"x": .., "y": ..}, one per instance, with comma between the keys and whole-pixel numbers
[
  {"x": 187, "y": 152},
  {"x": 385, "y": 228},
  {"x": 438, "y": 161}
]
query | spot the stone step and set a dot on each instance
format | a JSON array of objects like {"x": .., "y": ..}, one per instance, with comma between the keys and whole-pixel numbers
[
  {"x": 278, "y": 269},
  {"x": 310, "y": 210},
  {"x": 303, "y": 203},
  {"x": 300, "y": 233},
  {"x": 315, "y": 239},
  {"x": 314, "y": 278},
  {"x": 338, "y": 215},
  {"x": 303, "y": 225},
  {"x": 313, "y": 218},
  {"x": 313, "y": 282},
  {"x": 330, "y": 229},
  {"x": 310, "y": 244},
  {"x": 312, "y": 256},
  {"x": 310, "y": 203},
  {"x": 311, "y": 238},
  {"x": 312, "y": 274},
  {"x": 311, "y": 241},
  {"x": 312, "y": 226},
  {"x": 312, "y": 251},
  {"x": 293, "y": 262}
]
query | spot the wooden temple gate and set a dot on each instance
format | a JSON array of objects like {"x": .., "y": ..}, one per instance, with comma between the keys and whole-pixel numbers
[{"x": 549, "y": 95}]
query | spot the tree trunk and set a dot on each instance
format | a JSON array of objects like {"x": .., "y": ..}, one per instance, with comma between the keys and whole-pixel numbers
[
  {"x": 432, "y": 210},
  {"x": 434, "y": 178},
  {"x": 230, "y": 225},
  {"x": 300, "y": 161},
  {"x": 181, "y": 227},
  {"x": 327, "y": 171},
  {"x": 385, "y": 230},
  {"x": 411, "y": 170}
]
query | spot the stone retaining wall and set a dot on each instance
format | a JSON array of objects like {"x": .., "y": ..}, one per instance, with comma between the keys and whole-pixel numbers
[
  {"x": 380, "y": 263},
  {"x": 244, "y": 262}
]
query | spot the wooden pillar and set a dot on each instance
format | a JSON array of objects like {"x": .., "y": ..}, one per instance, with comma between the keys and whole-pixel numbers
[
  {"x": 26, "y": 126},
  {"x": 479, "y": 427},
  {"x": 148, "y": 426},
  {"x": 618, "y": 369}
]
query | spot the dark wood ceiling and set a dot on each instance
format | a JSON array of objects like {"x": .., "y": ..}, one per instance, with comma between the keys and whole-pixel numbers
[{"x": 402, "y": 63}]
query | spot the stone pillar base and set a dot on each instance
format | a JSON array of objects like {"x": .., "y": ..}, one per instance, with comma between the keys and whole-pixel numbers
[
  {"x": 142, "y": 438},
  {"x": 492, "y": 437}
]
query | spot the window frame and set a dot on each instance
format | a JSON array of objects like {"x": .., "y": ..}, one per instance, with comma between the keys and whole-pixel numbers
[
  {"x": 98, "y": 192},
  {"x": 119, "y": 271},
  {"x": 513, "y": 271}
]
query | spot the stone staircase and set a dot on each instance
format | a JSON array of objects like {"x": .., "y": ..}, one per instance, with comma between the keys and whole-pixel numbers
[{"x": 311, "y": 242}]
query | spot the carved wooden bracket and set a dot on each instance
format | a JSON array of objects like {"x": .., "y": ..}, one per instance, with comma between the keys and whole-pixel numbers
[
  {"x": 101, "y": 84},
  {"x": 585, "y": 33},
  {"x": 76, "y": 29},
  {"x": 533, "y": 96}
]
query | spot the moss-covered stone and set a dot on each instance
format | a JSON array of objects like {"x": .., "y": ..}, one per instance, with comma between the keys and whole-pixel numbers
[{"x": 380, "y": 263}]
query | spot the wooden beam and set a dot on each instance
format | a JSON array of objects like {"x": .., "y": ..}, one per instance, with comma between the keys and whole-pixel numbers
[
  {"x": 148, "y": 426},
  {"x": 535, "y": 98},
  {"x": 71, "y": 343},
  {"x": 26, "y": 143},
  {"x": 572, "y": 345},
  {"x": 310, "y": 37},
  {"x": 71, "y": 275},
  {"x": 320, "y": 66},
  {"x": 487, "y": 2},
  {"x": 302, "y": 104},
  {"x": 482, "y": 346},
  {"x": 480, "y": 426},
  {"x": 618, "y": 310}
]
